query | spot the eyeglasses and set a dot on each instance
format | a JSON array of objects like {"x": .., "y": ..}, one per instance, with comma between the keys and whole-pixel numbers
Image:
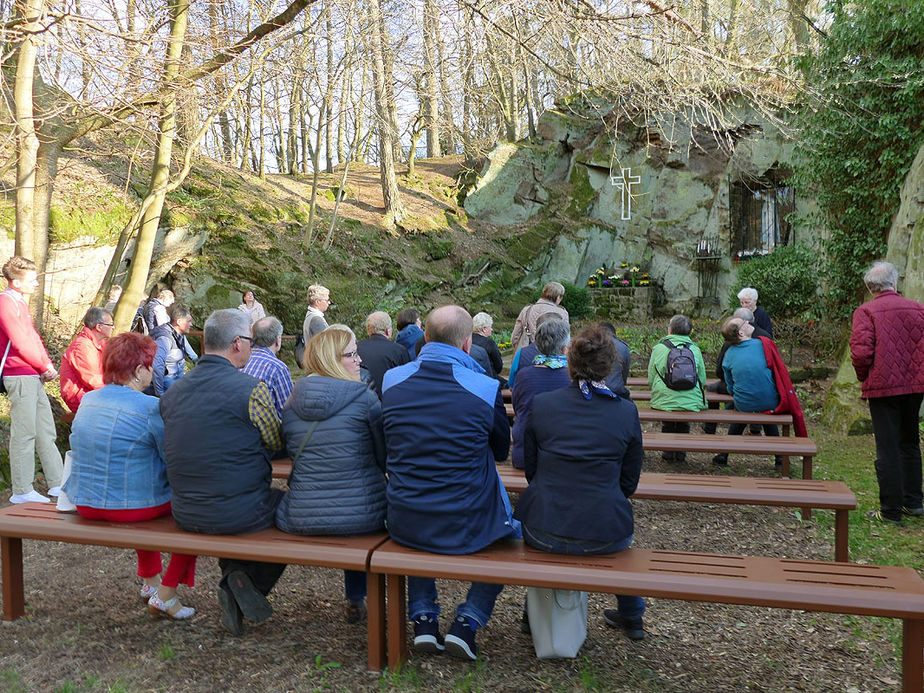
[
  {"x": 351, "y": 355},
  {"x": 243, "y": 336},
  {"x": 107, "y": 324}
]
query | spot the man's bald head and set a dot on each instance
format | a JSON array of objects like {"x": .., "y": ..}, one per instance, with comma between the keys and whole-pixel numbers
[{"x": 449, "y": 325}]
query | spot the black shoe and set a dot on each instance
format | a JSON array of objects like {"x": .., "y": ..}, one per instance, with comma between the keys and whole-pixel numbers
[
  {"x": 668, "y": 457},
  {"x": 231, "y": 617},
  {"x": 913, "y": 512},
  {"x": 356, "y": 611},
  {"x": 778, "y": 464},
  {"x": 755, "y": 429},
  {"x": 720, "y": 460},
  {"x": 524, "y": 622},
  {"x": 634, "y": 629},
  {"x": 460, "y": 640},
  {"x": 427, "y": 636},
  {"x": 252, "y": 602}
]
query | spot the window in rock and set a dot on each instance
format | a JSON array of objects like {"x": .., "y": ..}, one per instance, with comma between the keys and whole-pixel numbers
[{"x": 759, "y": 211}]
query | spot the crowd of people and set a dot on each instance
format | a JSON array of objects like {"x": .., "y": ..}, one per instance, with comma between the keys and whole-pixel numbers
[{"x": 402, "y": 430}]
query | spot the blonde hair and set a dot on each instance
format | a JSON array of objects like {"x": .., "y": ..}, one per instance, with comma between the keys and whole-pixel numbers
[
  {"x": 323, "y": 353},
  {"x": 316, "y": 292}
]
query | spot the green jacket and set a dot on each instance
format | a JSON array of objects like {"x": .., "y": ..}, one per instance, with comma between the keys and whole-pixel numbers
[{"x": 662, "y": 397}]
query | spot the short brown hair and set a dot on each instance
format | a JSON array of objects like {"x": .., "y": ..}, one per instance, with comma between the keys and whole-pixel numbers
[
  {"x": 592, "y": 354},
  {"x": 552, "y": 291},
  {"x": 407, "y": 316},
  {"x": 16, "y": 267},
  {"x": 730, "y": 330}
]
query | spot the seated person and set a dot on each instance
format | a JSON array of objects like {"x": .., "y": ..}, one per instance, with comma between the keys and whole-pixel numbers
[
  {"x": 663, "y": 395},
  {"x": 118, "y": 471},
  {"x": 582, "y": 450},
  {"x": 333, "y": 426},
  {"x": 409, "y": 331},
  {"x": 377, "y": 351},
  {"x": 548, "y": 371},
  {"x": 529, "y": 352},
  {"x": 82, "y": 363},
  {"x": 484, "y": 328}
]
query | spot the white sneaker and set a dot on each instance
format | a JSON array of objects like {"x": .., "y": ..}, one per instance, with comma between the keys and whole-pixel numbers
[
  {"x": 32, "y": 497},
  {"x": 54, "y": 491}
]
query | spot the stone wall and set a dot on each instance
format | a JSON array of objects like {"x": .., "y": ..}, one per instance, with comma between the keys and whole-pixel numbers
[{"x": 622, "y": 304}]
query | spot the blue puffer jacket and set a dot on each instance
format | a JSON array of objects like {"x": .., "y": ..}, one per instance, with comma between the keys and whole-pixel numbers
[{"x": 337, "y": 485}]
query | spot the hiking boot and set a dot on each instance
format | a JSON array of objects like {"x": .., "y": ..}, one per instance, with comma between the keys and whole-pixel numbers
[
  {"x": 427, "y": 636},
  {"x": 633, "y": 628},
  {"x": 252, "y": 602},
  {"x": 755, "y": 429},
  {"x": 913, "y": 512},
  {"x": 356, "y": 611},
  {"x": 720, "y": 460},
  {"x": 231, "y": 617},
  {"x": 669, "y": 457},
  {"x": 879, "y": 517},
  {"x": 460, "y": 640}
]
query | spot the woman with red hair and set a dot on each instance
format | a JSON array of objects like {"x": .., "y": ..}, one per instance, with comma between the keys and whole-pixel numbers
[{"x": 118, "y": 471}]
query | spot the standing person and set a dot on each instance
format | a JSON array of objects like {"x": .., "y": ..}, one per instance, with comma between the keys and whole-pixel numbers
[
  {"x": 584, "y": 442},
  {"x": 172, "y": 349},
  {"x": 333, "y": 427},
  {"x": 82, "y": 363},
  {"x": 264, "y": 362},
  {"x": 318, "y": 303},
  {"x": 115, "y": 293},
  {"x": 748, "y": 299},
  {"x": 409, "y": 330},
  {"x": 251, "y": 306},
  {"x": 483, "y": 329},
  {"x": 547, "y": 371},
  {"x": 887, "y": 350},
  {"x": 220, "y": 427},
  {"x": 27, "y": 369},
  {"x": 524, "y": 330},
  {"x": 677, "y": 378},
  {"x": 377, "y": 351},
  {"x": 154, "y": 312},
  {"x": 445, "y": 427},
  {"x": 118, "y": 472}
]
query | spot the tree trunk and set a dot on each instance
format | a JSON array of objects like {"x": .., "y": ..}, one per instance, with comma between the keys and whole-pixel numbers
[
  {"x": 136, "y": 283},
  {"x": 430, "y": 87},
  {"x": 394, "y": 210},
  {"x": 329, "y": 96}
]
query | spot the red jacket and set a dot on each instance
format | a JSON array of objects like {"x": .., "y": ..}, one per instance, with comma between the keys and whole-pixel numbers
[
  {"x": 789, "y": 403},
  {"x": 887, "y": 346},
  {"x": 27, "y": 353},
  {"x": 81, "y": 368}
]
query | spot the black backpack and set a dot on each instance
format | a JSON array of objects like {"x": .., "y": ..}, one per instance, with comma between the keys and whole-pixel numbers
[{"x": 680, "y": 367}]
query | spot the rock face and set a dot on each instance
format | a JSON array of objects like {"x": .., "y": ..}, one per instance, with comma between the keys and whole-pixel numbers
[{"x": 647, "y": 195}]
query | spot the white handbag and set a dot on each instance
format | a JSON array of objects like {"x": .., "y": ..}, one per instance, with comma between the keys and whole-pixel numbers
[
  {"x": 64, "y": 503},
  {"x": 558, "y": 621}
]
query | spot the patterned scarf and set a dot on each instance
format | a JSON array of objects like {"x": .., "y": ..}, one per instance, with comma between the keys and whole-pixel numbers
[{"x": 588, "y": 387}]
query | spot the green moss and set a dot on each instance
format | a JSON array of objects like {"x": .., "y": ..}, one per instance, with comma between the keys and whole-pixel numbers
[
  {"x": 103, "y": 221},
  {"x": 582, "y": 192}
]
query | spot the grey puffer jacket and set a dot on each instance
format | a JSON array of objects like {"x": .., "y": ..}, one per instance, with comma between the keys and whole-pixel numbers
[{"x": 337, "y": 484}]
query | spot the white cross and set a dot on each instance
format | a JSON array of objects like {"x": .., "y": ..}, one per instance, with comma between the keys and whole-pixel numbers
[{"x": 624, "y": 182}]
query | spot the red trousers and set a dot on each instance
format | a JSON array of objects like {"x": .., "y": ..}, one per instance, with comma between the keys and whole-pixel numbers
[{"x": 182, "y": 567}]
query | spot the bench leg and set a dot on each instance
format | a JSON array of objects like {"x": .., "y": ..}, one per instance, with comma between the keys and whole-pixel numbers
[
  {"x": 840, "y": 536},
  {"x": 14, "y": 603},
  {"x": 786, "y": 430},
  {"x": 912, "y": 656},
  {"x": 807, "y": 474},
  {"x": 396, "y": 601},
  {"x": 375, "y": 622}
]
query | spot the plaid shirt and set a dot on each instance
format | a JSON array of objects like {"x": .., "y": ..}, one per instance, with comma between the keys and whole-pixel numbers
[
  {"x": 264, "y": 417},
  {"x": 265, "y": 365}
]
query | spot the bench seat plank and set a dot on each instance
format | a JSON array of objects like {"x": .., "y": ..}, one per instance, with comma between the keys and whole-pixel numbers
[
  {"x": 42, "y": 522},
  {"x": 845, "y": 588}
]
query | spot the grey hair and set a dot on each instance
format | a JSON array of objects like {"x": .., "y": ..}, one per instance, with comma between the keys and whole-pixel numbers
[
  {"x": 165, "y": 295},
  {"x": 745, "y": 314},
  {"x": 552, "y": 336},
  {"x": 178, "y": 312},
  {"x": 481, "y": 321},
  {"x": 316, "y": 292},
  {"x": 378, "y": 322},
  {"x": 223, "y": 327},
  {"x": 266, "y": 331},
  {"x": 94, "y": 316},
  {"x": 680, "y": 324},
  {"x": 882, "y": 276},
  {"x": 748, "y": 292}
]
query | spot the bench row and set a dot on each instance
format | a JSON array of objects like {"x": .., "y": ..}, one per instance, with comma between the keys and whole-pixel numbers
[{"x": 845, "y": 588}]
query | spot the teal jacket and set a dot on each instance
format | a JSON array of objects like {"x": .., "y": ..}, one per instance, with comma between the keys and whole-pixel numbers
[{"x": 662, "y": 397}]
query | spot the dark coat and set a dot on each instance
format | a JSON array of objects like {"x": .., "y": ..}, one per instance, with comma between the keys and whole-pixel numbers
[
  {"x": 379, "y": 354},
  {"x": 583, "y": 461},
  {"x": 762, "y": 320},
  {"x": 445, "y": 426},
  {"x": 488, "y": 344},
  {"x": 887, "y": 346},
  {"x": 531, "y": 381},
  {"x": 337, "y": 484}
]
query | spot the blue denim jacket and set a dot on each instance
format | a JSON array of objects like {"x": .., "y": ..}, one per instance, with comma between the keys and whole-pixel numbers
[{"x": 117, "y": 444}]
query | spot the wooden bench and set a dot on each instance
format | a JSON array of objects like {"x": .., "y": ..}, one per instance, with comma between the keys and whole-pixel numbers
[
  {"x": 843, "y": 588},
  {"x": 642, "y": 381},
  {"x": 43, "y": 522},
  {"x": 641, "y": 396},
  {"x": 741, "y": 490}
]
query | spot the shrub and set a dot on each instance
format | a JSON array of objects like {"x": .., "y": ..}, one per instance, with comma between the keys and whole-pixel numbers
[{"x": 786, "y": 280}]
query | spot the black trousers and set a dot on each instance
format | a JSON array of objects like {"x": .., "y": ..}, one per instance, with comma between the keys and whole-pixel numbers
[
  {"x": 675, "y": 427},
  {"x": 263, "y": 575},
  {"x": 898, "y": 452}
]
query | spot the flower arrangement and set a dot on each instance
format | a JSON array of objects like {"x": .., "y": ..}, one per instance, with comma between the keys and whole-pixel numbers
[{"x": 626, "y": 275}]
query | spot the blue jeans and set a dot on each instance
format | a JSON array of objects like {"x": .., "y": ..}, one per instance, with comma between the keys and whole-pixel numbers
[
  {"x": 630, "y": 607},
  {"x": 478, "y": 604},
  {"x": 354, "y": 584}
]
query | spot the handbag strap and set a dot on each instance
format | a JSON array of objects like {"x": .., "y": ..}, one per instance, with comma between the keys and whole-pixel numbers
[{"x": 301, "y": 447}]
